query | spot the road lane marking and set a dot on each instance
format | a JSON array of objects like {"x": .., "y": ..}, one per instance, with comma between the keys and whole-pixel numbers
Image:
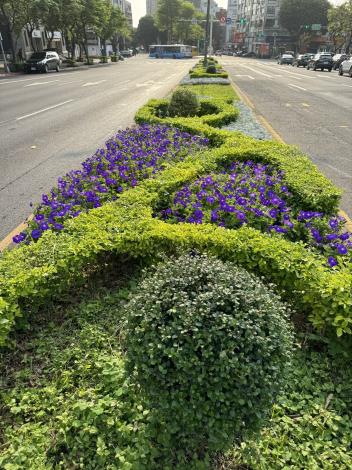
[
  {"x": 248, "y": 76},
  {"x": 296, "y": 86},
  {"x": 257, "y": 71},
  {"x": 306, "y": 105},
  {"x": 288, "y": 105},
  {"x": 93, "y": 83},
  {"x": 40, "y": 83},
  {"x": 43, "y": 110},
  {"x": 349, "y": 86}
]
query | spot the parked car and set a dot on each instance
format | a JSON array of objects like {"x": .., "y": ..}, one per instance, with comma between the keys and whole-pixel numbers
[
  {"x": 338, "y": 59},
  {"x": 301, "y": 60},
  {"x": 43, "y": 62},
  {"x": 346, "y": 67},
  {"x": 218, "y": 53},
  {"x": 285, "y": 59},
  {"x": 126, "y": 53},
  {"x": 249, "y": 54},
  {"x": 322, "y": 60}
]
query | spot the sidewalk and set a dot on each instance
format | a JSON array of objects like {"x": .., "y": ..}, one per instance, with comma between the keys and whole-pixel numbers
[{"x": 63, "y": 67}]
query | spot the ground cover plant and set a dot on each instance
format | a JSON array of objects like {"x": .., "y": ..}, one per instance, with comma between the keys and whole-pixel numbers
[
  {"x": 255, "y": 194},
  {"x": 129, "y": 157},
  {"x": 66, "y": 401}
]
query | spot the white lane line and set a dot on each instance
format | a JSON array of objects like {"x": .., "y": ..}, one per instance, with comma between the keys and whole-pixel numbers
[
  {"x": 93, "y": 83},
  {"x": 296, "y": 86},
  {"x": 40, "y": 83},
  {"x": 2, "y": 82},
  {"x": 43, "y": 110},
  {"x": 248, "y": 76},
  {"x": 257, "y": 71},
  {"x": 305, "y": 105},
  {"x": 298, "y": 75},
  {"x": 349, "y": 86},
  {"x": 325, "y": 76}
]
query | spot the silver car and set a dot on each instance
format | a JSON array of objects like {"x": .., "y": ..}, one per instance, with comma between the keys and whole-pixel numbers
[{"x": 346, "y": 67}]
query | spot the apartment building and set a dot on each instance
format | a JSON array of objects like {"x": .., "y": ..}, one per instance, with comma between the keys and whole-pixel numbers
[
  {"x": 232, "y": 18},
  {"x": 257, "y": 27},
  {"x": 152, "y": 6}
]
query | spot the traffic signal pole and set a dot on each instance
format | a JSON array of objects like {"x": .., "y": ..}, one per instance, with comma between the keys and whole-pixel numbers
[{"x": 207, "y": 35}]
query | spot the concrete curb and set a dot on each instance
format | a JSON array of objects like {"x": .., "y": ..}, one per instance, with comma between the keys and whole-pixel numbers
[{"x": 275, "y": 135}]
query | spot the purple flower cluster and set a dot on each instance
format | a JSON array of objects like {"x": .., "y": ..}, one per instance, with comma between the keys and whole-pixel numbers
[
  {"x": 131, "y": 156},
  {"x": 255, "y": 194}
]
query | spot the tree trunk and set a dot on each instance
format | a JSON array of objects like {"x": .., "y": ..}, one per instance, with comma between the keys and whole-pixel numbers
[
  {"x": 85, "y": 44},
  {"x": 30, "y": 32}
]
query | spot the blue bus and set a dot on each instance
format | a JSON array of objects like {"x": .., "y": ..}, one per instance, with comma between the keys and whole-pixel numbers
[{"x": 173, "y": 51}]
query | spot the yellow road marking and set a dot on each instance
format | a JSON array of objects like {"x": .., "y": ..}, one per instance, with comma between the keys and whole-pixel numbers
[
  {"x": 276, "y": 136},
  {"x": 306, "y": 105}
]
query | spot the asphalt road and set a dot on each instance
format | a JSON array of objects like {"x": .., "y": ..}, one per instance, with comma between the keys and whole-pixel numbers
[
  {"x": 310, "y": 109},
  {"x": 50, "y": 123}
]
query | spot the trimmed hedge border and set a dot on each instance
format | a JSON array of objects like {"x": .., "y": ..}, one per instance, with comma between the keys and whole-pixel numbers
[
  {"x": 31, "y": 275},
  {"x": 311, "y": 188}
]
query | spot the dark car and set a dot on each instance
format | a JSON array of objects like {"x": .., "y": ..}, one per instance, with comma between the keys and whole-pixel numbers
[
  {"x": 338, "y": 59},
  {"x": 301, "y": 60},
  {"x": 43, "y": 62},
  {"x": 249, "y": 54},
  {"x": 322, "y": 60},
  {"x": 285, "y": 59}
]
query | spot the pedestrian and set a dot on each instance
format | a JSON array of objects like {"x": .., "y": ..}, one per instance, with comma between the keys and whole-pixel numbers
[{"x": 20, "y": 55}]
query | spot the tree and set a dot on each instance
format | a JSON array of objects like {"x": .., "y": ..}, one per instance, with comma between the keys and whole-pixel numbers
[
  {"x": 340, "y": 24},
  {"x": 147, "y": 32},
  {"x": 167, "y": 16},
  {"x": 294, "y": 14},
  {"x": 50, "y": 13},
  {"x": 113, "y": 21},
  {"x": 14, "y": 19}
]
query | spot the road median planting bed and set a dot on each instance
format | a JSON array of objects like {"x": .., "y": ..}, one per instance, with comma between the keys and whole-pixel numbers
[{"x": 229, "y": 205}]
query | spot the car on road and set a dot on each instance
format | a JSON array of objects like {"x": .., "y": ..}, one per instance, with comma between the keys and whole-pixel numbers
[
  {"x": 43, "y": 62},
  {"x": 338, "y": 59},
  {"x": 346, "y": 67},
  {"x": 249, "y": 54},
  {"x": 301, "y": 60},
  {"x": 127, "y": 53},
  {"x": 285, "y": 59},
  {"x": 322, "y": 60},
  {"x": 218, "y": 53}
]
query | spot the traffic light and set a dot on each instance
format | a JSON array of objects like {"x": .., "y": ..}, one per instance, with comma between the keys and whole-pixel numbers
[{"x": 242, "y": 21}]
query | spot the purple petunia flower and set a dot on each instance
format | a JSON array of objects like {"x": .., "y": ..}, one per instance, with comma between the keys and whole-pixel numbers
[{"x": 332, "y": 261}]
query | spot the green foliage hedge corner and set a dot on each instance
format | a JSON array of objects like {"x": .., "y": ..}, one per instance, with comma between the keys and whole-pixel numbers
[
  {"x": 220, "y": 113},
  {"x": 31, "y": 275},
  {"x": 210, "y": 344}
]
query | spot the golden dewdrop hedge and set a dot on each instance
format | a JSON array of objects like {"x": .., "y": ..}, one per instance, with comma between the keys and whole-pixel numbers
[{"x": 32, "y": 275}]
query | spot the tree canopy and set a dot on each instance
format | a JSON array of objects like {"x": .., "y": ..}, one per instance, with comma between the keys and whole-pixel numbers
[
  {"x": 296, "y": 13},
  {"x": 340, "y": 24}
]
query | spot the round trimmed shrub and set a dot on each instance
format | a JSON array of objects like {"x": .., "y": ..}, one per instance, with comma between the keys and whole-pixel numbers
[
  {"x": 209, "y": 344},
  {"x": 211, "y": 69},
  {"x": 183, "y": 103}
]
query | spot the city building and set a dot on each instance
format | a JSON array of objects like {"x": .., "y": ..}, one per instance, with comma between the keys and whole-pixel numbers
[
  {"x": 128, "y": 13},
  {"x": 152, "y": 6},
  {"x": 257, "y": 27},
  {"x": 231, "y": 20}
]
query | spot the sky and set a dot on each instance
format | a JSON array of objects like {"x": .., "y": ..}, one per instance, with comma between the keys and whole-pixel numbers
[{"x": 138, "y": 8}]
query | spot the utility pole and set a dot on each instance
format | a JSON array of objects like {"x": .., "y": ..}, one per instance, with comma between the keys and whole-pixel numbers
[
  {"x": 206, "y": 35},
  {"x": 3, "y": 54}
]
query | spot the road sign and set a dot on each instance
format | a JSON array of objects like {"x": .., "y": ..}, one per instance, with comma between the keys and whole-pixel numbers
[
  {"x": 228, "y": 20},
  {"x": 194, "y": 21},
  {"x": 222, "y": 19},
  {"x": 316, "y": 27},
  {"x": 243, "y": 21}
]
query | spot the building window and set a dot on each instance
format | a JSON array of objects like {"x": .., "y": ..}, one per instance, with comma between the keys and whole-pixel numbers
[{"x": 271, "y": 10}]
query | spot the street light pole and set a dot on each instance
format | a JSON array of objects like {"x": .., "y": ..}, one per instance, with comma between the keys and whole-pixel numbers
[{"x": 206, "y": 35}]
